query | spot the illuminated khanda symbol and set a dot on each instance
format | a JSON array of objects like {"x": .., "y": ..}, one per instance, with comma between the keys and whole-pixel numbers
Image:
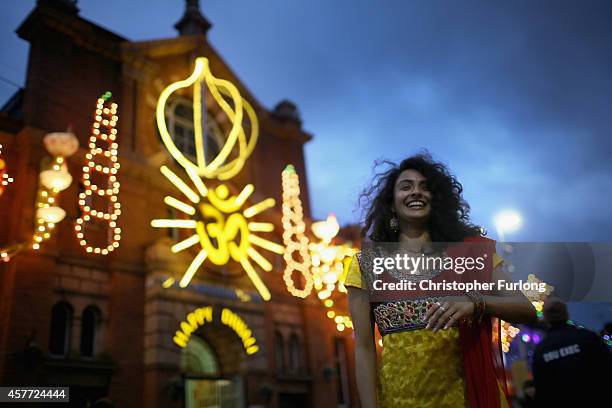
[{"x": 238, "y": 146}]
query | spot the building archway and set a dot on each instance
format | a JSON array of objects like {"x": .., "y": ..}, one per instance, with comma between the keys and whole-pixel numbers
[{"x": 212, "y": 364}]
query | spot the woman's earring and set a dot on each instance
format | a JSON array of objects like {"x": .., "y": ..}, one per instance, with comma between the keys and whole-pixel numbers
[{"x": 394, "y": 224}]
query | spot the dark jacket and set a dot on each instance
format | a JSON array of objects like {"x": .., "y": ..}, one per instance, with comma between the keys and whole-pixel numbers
[{"x": 571, "y": 367}]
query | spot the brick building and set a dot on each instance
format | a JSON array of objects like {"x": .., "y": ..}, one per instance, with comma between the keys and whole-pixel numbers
[{"x": 104, "y": 325}]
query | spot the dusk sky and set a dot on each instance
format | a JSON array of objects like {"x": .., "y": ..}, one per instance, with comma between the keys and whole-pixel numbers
[{"x": 515, "y": 98}]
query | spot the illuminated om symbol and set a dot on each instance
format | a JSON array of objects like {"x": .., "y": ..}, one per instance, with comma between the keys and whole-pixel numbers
[{"x": 225, "y": 233}]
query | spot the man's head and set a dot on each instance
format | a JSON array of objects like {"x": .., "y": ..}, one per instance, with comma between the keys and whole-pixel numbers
[{"x": 555, "y": 311}]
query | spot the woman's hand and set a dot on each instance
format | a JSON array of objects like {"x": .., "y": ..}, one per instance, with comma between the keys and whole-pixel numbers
[{"x": 449, "y": 312}]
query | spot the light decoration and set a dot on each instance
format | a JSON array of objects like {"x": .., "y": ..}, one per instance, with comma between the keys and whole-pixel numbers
[
  {"x": 5, "y": 179},
  {"x": 221, "y": 226},
  {"x": 204, "y": 315},
  {"x": 296, "y": 242},
  {"x": 508, "y": 331},
  {"x": 321, "y": 264},
  {"x": 101, "y": 164},
  {"x": 53, "y": 179},
  {"x": 237, "y": 141},
  {"x": 328, "y": 265}
]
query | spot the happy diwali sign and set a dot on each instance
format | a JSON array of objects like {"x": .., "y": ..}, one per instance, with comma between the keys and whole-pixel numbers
[{"x": 204, "y": 315}]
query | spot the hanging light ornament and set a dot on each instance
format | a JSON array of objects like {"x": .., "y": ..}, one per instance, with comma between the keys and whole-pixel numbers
[{"x": 53, "y": 179}]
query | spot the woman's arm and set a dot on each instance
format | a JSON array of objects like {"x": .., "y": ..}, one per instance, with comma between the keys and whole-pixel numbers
[
  {"x": 365, "y": 348},
  {"x": 509, "y": 305}
]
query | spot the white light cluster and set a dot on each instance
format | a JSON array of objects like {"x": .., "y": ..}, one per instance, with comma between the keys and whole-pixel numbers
[{"x": 103, "y": 130}]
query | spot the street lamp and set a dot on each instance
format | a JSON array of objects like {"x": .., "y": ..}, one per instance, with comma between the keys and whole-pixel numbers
[{"x": 507, "y": 221}]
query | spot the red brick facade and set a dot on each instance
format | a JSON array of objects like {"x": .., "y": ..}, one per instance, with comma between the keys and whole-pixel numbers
[{"x": 71, "y": 63}]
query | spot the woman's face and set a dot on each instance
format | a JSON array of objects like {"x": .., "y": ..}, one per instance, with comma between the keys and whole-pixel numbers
[{"x": 411, "y": 198}]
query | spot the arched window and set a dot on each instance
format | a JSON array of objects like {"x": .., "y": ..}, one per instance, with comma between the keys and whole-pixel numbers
[
  {"x": 90, "y": 324},
  {"x": 61, "y": 329},
  {"x": 179, "y": 120},
  {"x": 279, "y": 352},
  {"x": 294, "y": 353}
]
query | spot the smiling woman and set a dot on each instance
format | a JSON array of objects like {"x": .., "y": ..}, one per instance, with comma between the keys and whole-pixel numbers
[{"x": 453, "y": 364}]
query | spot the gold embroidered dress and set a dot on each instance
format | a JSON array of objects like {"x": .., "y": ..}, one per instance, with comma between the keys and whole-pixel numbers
[{"x": 418, "y": 368}]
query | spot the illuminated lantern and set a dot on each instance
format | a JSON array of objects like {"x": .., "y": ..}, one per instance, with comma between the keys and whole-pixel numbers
[
  {"x": 63, "y": 144},
  {"x": 51, "y": 215},
  {"x": 57, "y": 178},
  {"x": 101, "y": 160}
]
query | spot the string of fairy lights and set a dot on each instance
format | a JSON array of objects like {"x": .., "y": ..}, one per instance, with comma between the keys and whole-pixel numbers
[{"x": 102, "y": 162}]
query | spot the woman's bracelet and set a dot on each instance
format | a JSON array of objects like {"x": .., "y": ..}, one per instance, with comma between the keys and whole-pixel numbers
[{"x": 479, "y": 304}]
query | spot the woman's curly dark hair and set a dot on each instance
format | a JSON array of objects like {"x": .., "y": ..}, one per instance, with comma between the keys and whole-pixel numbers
[{"x": 449, "y": 219}]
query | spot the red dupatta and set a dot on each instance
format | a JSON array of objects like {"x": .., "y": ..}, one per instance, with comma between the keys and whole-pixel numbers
[{"x": 482, "y": 356}]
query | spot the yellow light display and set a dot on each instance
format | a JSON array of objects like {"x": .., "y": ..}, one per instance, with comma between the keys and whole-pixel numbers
[
  {"x": 217, "y": 217},
  {"x": 234, "y": 321},
  {"x": 509, "y": 332},
  {"x": 221, "y": 230},
  {"x": 101, "y": 164},
  {"x": 203, "y": 315},
  {"x": 322, "y": 264},
  {"x": 238, "y": 144}
]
